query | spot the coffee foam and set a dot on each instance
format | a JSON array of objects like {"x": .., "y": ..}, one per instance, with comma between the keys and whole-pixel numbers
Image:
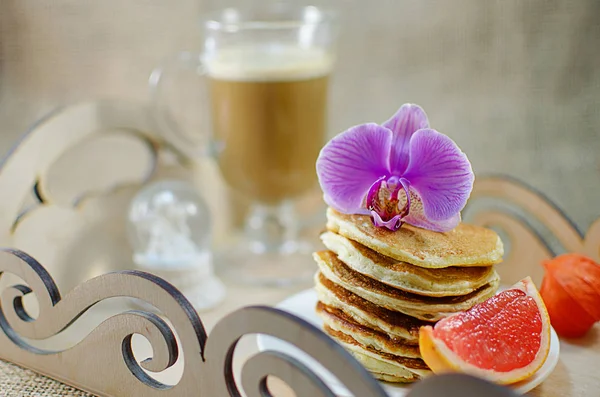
[{"x": 253, "y": 63}]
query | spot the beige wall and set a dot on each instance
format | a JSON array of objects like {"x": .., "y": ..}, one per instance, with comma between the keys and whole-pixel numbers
[{"x": 515, "y": 83}]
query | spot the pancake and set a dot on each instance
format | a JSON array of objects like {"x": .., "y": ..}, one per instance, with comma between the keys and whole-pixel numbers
[
  {"x": 384, "y": 371},
  {"x": 449, "y": 281},
  {"x": 422, "y": 307},
  {"x": 465, "y": 245},
  {"x": 386, "y": 377},
  {"x": 394, "y": 324},
  {"x": 408, "y": 369},
  {"x": 338, "y": 321}
]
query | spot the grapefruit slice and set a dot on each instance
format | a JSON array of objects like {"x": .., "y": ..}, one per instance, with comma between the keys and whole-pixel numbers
[{"x": 504, "y": 339}]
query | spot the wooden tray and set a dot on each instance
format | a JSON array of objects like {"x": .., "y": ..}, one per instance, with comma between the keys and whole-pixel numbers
[{"x": 34, "y": 217}]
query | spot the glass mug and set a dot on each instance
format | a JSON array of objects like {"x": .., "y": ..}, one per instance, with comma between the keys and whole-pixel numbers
[{"x": 266, "y": 72}]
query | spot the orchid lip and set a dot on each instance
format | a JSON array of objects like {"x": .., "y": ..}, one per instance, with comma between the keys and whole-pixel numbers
[{"x": 393, "y": 224}]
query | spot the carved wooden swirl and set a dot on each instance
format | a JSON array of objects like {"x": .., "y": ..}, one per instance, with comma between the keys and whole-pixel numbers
[
  {"x": 29, "y": 160},
  {"x": 59, "y": 206},
  {"x": 528, "y": 248},
  {"x": 103, "y": 362},
  {"x": 109, "y": 343},
  {"x": 261, "y": 320}
]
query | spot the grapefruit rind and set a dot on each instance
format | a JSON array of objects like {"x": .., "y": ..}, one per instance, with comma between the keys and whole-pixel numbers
[{"x": 441, "y": 359}]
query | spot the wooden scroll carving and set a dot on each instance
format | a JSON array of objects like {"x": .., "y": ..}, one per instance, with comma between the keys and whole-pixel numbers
[
  {"x": 66, "y": 185},
  {"x": 534, "y": 228},
  {"x": 103, "y": 362}
]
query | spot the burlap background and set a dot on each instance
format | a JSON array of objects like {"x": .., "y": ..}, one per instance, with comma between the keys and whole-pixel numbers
[{"x": 18, "y": 382}]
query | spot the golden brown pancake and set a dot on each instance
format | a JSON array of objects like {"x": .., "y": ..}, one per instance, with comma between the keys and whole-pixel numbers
[
  {"x": 377, "y": 362},
  {"x": 338, "y": 321},
  {"x": 385, "y": 377},
  {"x": 408, "y": 362},
  {"x": 449, "y": 281},
  {"x": 465, "y": 245},
  {"x": 383, "y": 370},
  {"x": 394, "y": 324},
  {"x": 422, "y": 307}
]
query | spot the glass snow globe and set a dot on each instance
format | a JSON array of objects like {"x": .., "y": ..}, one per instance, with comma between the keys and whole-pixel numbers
[{"x": 170, "y": 232}]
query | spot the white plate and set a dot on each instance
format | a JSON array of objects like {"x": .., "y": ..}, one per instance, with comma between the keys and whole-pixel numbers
[{"x": 303, "y": 306}]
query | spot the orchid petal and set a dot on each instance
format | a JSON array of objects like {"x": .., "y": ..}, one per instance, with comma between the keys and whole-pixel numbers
[
  {"x": 407, "y": 120},
  {"x": 440, "y": 174},
  {"x": 350, "y": 163},
  {"x": 437, "y": 226},
  {"x": 416, "y": 216}
]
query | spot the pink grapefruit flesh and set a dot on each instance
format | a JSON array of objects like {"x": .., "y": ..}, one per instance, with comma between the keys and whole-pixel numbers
[{"x": 505, "y": 339}]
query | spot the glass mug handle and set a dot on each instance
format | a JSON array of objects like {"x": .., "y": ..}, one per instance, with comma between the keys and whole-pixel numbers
[{"x": 170, "y": 125}]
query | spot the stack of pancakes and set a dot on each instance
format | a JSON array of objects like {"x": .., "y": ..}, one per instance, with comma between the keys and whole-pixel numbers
[{"x": 376, "y": 287}]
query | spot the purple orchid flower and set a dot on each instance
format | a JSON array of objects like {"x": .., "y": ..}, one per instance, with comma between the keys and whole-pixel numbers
[{"x": 401, "y": 171}]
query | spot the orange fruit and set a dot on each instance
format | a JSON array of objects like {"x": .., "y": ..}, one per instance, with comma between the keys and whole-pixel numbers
[
  {"x": 571, "y": 292},
  {"x": 504, "y": 339}
]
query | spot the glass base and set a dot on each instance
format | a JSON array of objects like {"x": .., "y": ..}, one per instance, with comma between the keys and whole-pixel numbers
[{"x": 290, "y": 265}]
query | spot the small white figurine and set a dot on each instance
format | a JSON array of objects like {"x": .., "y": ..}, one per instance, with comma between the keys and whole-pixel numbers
[{"x": 170, "y": 230}]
